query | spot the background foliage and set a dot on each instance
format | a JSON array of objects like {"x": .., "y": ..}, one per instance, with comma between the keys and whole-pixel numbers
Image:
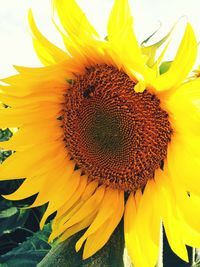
[{"x": 22, "y": 244}]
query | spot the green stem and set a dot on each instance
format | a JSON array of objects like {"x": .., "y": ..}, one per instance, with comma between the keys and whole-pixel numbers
[{"x": 64, "y": 255}]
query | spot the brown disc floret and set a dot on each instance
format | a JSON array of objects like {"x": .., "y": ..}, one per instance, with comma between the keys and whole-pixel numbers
[{"x": 115, "y": 135}]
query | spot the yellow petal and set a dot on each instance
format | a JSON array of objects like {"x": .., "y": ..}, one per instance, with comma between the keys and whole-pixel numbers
[
  {"x": 88, "y": 207},
  {"x": 65, "y": 189},
  {"x": 29, "y": 188},
  {"x": 46, "y": 51},
  {"x": 182, "y": 218},
  {"x": 145, "y": 225},
  {"x": 58, "y": 225},
  {"x": 178, "y": 156},
  {"x": 182, "y": 64},
  {"x": 105, "y": 211},
  {"x": 31, "y": 99},
  {"x": 77, "y": 227},
  {"x": 120, "y": 30},
  {"x": 169, "y": 213},
  {"x": 98, "y": 239},
  {"x": 140, "y": 87},
  {"x": 89, "y": 191},
  {"x": 37, "y": 177},
  {"x": 174, "y": 235},
  {"x": 74, "y": 21},
  {"x": 131, "y": 236},
  {"x": 26, "y": 136},
  {"x": 188, "y": 206},
  {"x": 10, "y": 117},
  {"x": 148, "y": 222},
  {"x": 127, "y": 53},
  {"x": 12, "y": 167},
  {"x": 183, "y": 106},
  {"x": 72, "y": 200},
  {"x": 191, "y": 237}
]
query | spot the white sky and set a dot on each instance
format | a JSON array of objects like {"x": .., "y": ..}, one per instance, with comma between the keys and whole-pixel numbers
[{"x": 15, "y": 39}]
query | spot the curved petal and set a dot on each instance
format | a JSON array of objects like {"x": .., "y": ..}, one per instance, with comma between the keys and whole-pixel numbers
[
  {"x": 169, "y": 212},
  {"x": 76, "y": 227},
  {"x": 145, "y": 225},
  {"x": 15, "y": 118},
  {"x": 183, "y": 106},
  {"x": 123, "y": 41},
  {"x": 188, "y": 204},
  {"x": 99, "y": 238},
  {"x": 182, "y": 64},
  {"x": 12, "y": 168},
  {"x": 120, "y": 30},
  {"x": 47, "y": 52},
  {"x": 180, "y": 155},
  {"x": 106, "y": 210},
  {"x": 131, "y": 235},
  {"x": 59, "y": 226},
  {"x": 66, "y": 186},
  {"x": 87, "y": 208},
  {"x": 26, "y": 137},
  {"x": 74, "y": 21}
]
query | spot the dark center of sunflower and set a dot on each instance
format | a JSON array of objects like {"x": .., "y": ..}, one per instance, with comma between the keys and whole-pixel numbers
[{"x": 115, "y": 135}]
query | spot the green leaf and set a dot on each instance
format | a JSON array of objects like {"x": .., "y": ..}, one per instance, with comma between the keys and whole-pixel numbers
[
  {"x": 30, "y": 252},
  {"x": 8, "y": 212},
  {"x": 11, "y": 217},
  {"x": 165, "y": 66}
]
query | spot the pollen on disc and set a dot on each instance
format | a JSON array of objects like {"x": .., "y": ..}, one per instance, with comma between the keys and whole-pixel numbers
[{"x": 115, "y": 135}]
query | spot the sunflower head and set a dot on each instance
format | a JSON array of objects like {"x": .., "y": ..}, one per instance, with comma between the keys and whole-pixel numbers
[{"x": 97, "y": 122}]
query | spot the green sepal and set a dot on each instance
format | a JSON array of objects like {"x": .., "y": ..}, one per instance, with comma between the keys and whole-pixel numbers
[{"x": 164, "y": 67}]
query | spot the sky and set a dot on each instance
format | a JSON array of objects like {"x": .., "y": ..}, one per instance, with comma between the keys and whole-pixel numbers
[{"x": 15, "y": 37}]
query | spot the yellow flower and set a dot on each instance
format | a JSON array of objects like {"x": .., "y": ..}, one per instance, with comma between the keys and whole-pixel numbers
[{"x": 97, "y": 123}]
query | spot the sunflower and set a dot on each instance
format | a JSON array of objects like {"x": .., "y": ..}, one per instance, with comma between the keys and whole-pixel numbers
[{"x": 102, "y": 136}]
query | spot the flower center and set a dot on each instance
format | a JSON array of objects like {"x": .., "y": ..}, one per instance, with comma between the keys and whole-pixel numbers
[{"x": 115, "y": 135}]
